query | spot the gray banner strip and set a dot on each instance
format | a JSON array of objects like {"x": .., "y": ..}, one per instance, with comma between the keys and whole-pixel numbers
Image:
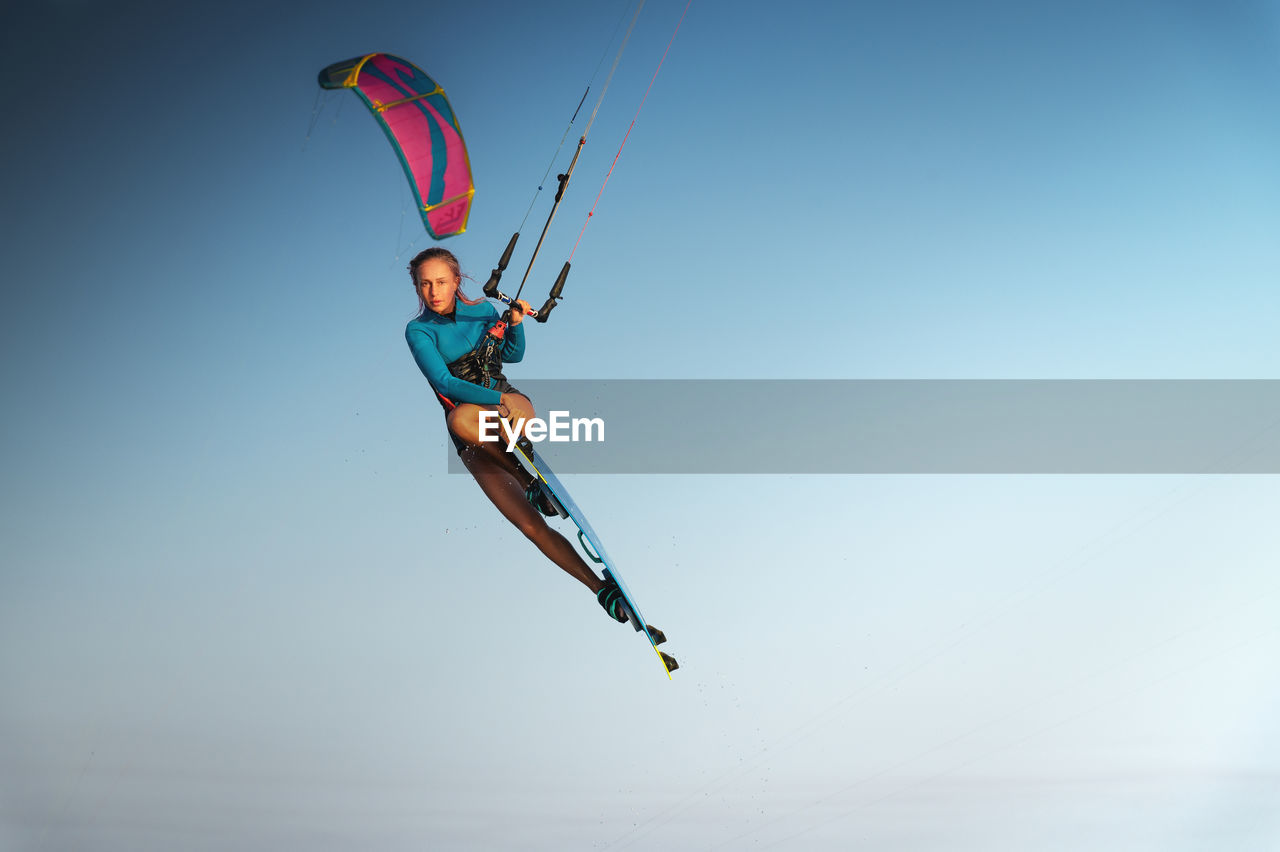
[{"x": 915, "y": 426}]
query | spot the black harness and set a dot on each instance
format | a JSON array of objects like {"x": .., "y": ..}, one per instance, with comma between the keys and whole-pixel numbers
[{"x": 480, "y": 366}]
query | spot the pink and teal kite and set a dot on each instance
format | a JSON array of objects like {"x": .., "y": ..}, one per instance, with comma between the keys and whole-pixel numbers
[{"x": 415, "y": 114}]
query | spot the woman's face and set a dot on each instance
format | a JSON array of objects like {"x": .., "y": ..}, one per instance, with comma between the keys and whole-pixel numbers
[{"x": 437, "y": 285}]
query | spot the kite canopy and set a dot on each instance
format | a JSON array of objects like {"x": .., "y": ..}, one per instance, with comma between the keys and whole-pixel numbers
[{"x": 415, "y": 114}]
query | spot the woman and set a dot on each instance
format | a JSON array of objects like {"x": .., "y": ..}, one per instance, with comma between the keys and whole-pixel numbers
[{"x": 443, "y": 339}]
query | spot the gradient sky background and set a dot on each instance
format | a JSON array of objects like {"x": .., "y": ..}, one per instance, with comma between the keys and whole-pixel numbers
[{"x": 242, "y": 605}]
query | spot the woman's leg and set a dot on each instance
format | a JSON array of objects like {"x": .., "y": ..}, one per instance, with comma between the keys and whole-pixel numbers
[
  {"x": 464, "y": 421},
  {"x": 506, "y": 492},
  {"x": 504, "y": 481}
]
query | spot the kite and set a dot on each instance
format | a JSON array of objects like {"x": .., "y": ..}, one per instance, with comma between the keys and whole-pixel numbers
[{"x": 414, "y": 112}]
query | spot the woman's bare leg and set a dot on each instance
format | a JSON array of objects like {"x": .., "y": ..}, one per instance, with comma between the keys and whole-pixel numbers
[
  {"x": 501, "y": 485},
  {"x": 464, "y": 422}
]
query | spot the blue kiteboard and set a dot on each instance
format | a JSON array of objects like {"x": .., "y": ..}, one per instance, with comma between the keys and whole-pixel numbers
[{"x": 592, "y": 546}]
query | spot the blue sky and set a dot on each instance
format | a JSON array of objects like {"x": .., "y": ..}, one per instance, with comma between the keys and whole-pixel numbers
[{"x": 242, "y": 605}]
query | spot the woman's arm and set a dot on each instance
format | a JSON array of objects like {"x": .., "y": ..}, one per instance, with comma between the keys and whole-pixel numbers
[{"x": 432, "y": 365}]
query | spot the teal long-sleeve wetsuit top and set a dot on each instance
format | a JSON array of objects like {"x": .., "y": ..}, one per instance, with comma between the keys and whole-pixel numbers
[{"x": 438, "y": 340}]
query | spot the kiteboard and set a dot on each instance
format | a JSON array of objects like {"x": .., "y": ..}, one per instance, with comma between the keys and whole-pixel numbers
[{"x": 591, "y": 545}]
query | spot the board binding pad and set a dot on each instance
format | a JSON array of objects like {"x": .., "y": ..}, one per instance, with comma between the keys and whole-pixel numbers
[{"x": 591, "y": 544}]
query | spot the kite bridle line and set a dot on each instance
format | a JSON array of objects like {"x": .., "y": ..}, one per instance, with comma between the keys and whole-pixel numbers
[
  {"x": 497, "y": 332},
  {"x": 627, "y": 135},
  {"x": 491, "y": 286}
]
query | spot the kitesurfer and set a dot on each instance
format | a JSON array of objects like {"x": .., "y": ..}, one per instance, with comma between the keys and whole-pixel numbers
[{"x": 443, "y": 339}]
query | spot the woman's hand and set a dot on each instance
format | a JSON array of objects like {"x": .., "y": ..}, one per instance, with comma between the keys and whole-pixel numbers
[
  {"x": 518, "y": 309},
  {"x": 515, "y": 407}
]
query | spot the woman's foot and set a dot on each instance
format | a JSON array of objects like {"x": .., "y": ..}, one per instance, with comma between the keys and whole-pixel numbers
[
  {"x": 537, "y": 495},
  {"x": 610, "y": 597}
]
